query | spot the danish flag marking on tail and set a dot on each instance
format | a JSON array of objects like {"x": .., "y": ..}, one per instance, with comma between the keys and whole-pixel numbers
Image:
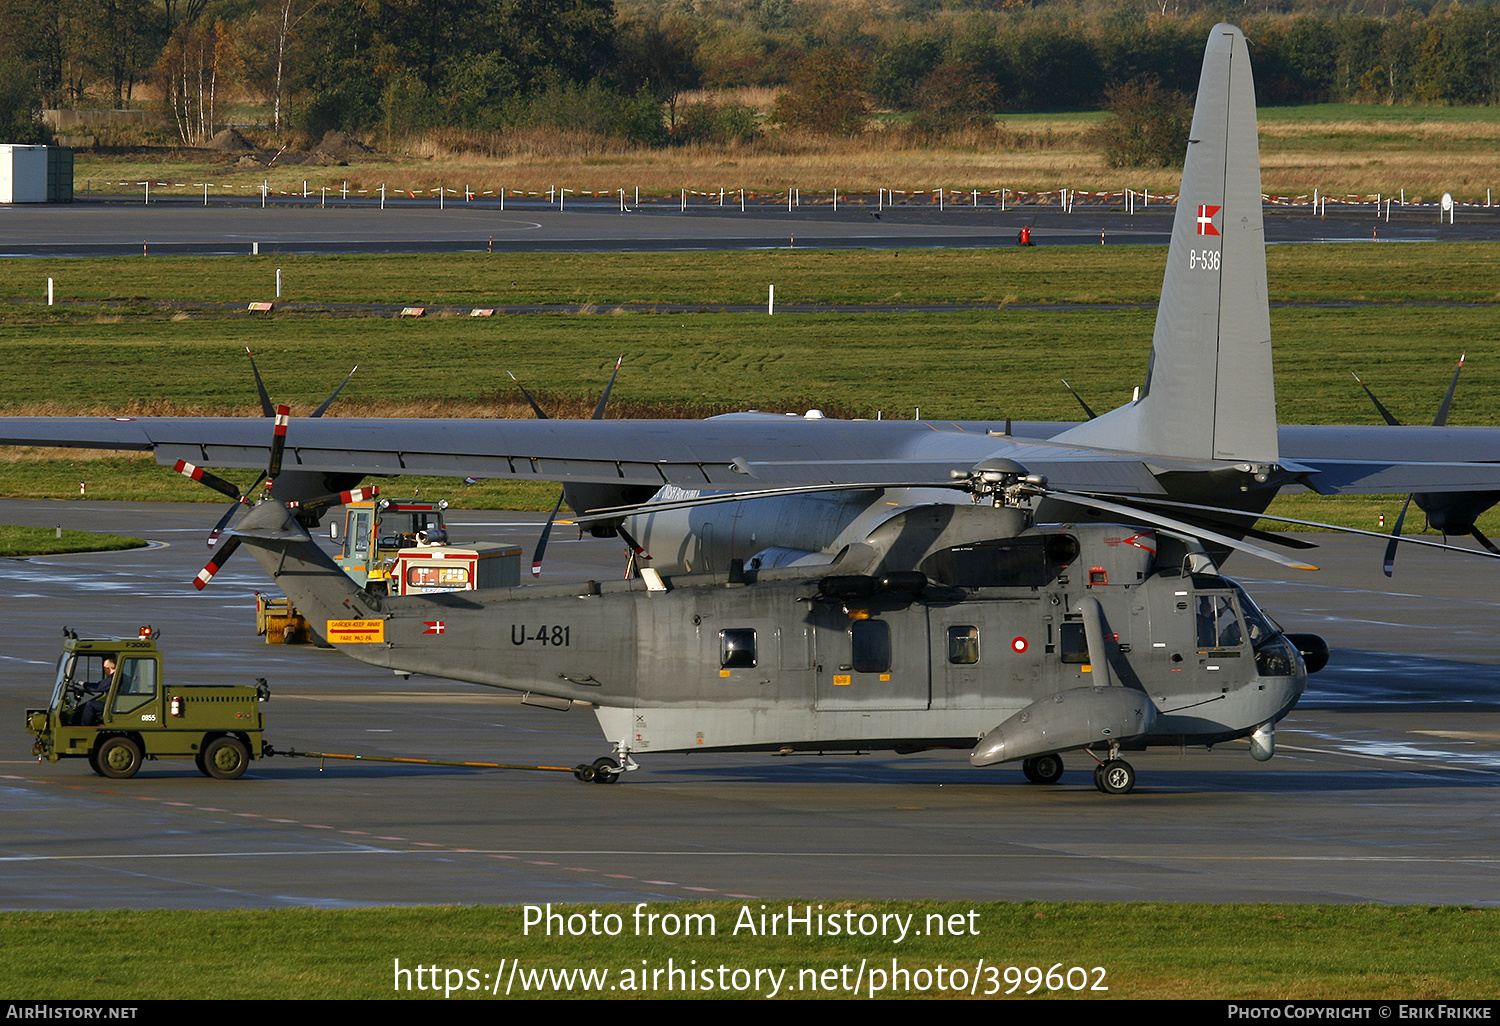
[
  {"x": 1206, "y": 216},
  {"x": 434, "y": 626}
]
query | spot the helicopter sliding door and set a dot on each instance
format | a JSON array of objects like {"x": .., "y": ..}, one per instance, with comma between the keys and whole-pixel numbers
[{"x": 878, "y": 661}]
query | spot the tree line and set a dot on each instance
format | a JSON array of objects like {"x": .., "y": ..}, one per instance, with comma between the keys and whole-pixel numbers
[{"x": 622, "y": 68}]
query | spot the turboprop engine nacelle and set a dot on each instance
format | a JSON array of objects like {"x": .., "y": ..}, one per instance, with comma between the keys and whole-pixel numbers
[{"x": 1068, "y": 719}]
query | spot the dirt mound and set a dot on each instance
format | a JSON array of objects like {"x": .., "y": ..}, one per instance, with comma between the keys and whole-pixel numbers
[
  {"x": 341, "y": 144},
  {"x": 230, "y": 141}
]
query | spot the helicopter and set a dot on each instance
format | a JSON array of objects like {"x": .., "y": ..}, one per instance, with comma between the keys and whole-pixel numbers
[{"x": 950, "y": 626}]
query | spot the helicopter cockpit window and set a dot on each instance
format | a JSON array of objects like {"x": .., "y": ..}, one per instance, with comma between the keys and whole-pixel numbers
[
  {"x": 737, "y": 648},
  {"x": 872, "y": 646},
  {"x": 137, "y": 684},
  {"x": 1218, "y": 626},
  {"x": 1028, "y": 562},
  {"x": 963, "y": 645},
  {"x": 1274, "y": 655}
]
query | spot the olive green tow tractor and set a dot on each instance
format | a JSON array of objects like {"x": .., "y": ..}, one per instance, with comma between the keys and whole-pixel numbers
[{"x": 111, "y": 705}]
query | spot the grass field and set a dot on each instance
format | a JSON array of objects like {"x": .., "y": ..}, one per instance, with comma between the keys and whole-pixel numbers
[
  {"x": 1338, "y": 148},
  {"x": 36, "y": 541},
  {"x": 1135, "y": 951},
  {"x": 141, "y": 358}
]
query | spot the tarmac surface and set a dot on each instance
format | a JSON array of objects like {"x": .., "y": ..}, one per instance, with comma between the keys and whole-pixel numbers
[
  {"x": 174, "y": 225},
  {"x": 1383, "y": 788}
]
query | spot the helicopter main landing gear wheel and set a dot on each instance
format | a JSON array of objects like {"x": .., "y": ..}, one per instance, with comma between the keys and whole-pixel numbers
[
  {"x": 1044, "y": 769},
  {"x": 1115, "y": 777}
]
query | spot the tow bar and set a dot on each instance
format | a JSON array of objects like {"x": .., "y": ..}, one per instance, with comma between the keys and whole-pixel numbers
[{"x": 602, "y": 771}]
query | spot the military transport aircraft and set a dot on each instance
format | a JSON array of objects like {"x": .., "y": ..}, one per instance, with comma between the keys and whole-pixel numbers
[{"x": 896, "y": 584}]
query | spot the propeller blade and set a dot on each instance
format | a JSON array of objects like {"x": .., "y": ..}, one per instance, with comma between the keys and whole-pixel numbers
[
  {"x": 1385, "y": 414},
  {"x": 278, "y": 440},
  {"x": 1389, "y": 566},
  {"x": 604, "y": 396},
  {"x": 540, "y": 413},
  {"x": 335, "y": 394},
  {"x": 1442, "y": 413},
  {"x": 1481, "y": 539},
  {"x": 541, "y": 545},
  {"x": 1085, "y": 405},
  {"x": 214, "y": 481},
  {"x": 216, "y": 564},
  {"x": 260, "y": 386}
]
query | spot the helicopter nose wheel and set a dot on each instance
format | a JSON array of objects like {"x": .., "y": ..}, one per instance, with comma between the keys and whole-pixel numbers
[{"x": 1115, "y": 777}]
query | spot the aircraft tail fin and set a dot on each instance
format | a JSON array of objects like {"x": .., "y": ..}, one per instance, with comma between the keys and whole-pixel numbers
[{"x": 1209, "y": 391}]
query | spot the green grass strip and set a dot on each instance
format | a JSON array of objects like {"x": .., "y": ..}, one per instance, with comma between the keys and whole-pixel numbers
[
  {"x": 46, "y": 541},
  {"x": 1152, "y": 950}
]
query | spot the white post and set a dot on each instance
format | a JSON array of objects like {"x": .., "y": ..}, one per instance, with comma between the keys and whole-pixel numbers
[
  {"x": 304, "y": 188},
  {"x": 440, "y": 197},
  {"x": 721, "y": 195},
  {"x": 742, "y": 201},
  {"x": 622, "y": 201},
  {"x": 771, "y": 302},
  {"x": 1002, "y": 199},
  {"x": 502, "y": 197},
  {"x": 637, "y": 195},
  {"x": 684, "y": 201},
  {"x": 205, "y": 194},
  {"x": 560, "y": 194},
  {"x": 835, "y": 197},
  {"x": 1146, "y": 194},
  {"x": 344, "y": 191},
  {"x": 255, "y": 249},
  {"x": 468, "y": 196},
  {"x": 265, "y": 190},
  {"x": 278, "y": 283},
  {"x": 323, "y": 194},
  {"x": 382, "y": 195},
  {"x": 788, "y": 199},
  {"x": 880, "y": 198},
  {"x": 148, "y": 193},
  {"x": 940, "y": 199},
  {"x": 49, "y": 291},
  {"x": 1403, "y": 197},
  {"x": 976, "y": 198},
  {"x": 551, "y": 194},
  {"x": 1315, "y": 200}
]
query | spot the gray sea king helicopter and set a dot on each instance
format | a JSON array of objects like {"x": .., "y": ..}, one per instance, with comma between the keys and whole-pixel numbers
[{"x": 886, "y": 585}]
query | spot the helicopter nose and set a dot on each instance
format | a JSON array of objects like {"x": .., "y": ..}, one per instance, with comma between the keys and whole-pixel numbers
[{"x": 1313, "y": 648}]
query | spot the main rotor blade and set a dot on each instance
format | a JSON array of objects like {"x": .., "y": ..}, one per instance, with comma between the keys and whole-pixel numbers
[
  {"x": 541, "y": 414},
  {"x": 1131, "y": 513},
  {"x": 541, "y": 545},
  {"x": 329, "y": 401},
  {"x": 1385, "y": 414},
  {"x": 1405, "y": 539},
  {"x": 260, "y": 386},
  {"x": 1389, "y": 566},
  {"x": 1442, "y": 414},
  {"x": 604, "y": 396}
]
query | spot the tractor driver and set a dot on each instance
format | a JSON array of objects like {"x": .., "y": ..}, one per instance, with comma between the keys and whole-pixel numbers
[{"x": 92, "y": 711}]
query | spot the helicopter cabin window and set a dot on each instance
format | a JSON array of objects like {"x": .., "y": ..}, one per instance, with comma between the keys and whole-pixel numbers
[
  {"x": 1218, "y": 626},
  {"x": 963, "y": 645},
  {"x": 1027, "y": 562},
  {"x": 137, "y": 684},
  {"x": 872, "y": 646},
  {"x": 1073, "y": 644},
  {"x": 737, "y": 648}
]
